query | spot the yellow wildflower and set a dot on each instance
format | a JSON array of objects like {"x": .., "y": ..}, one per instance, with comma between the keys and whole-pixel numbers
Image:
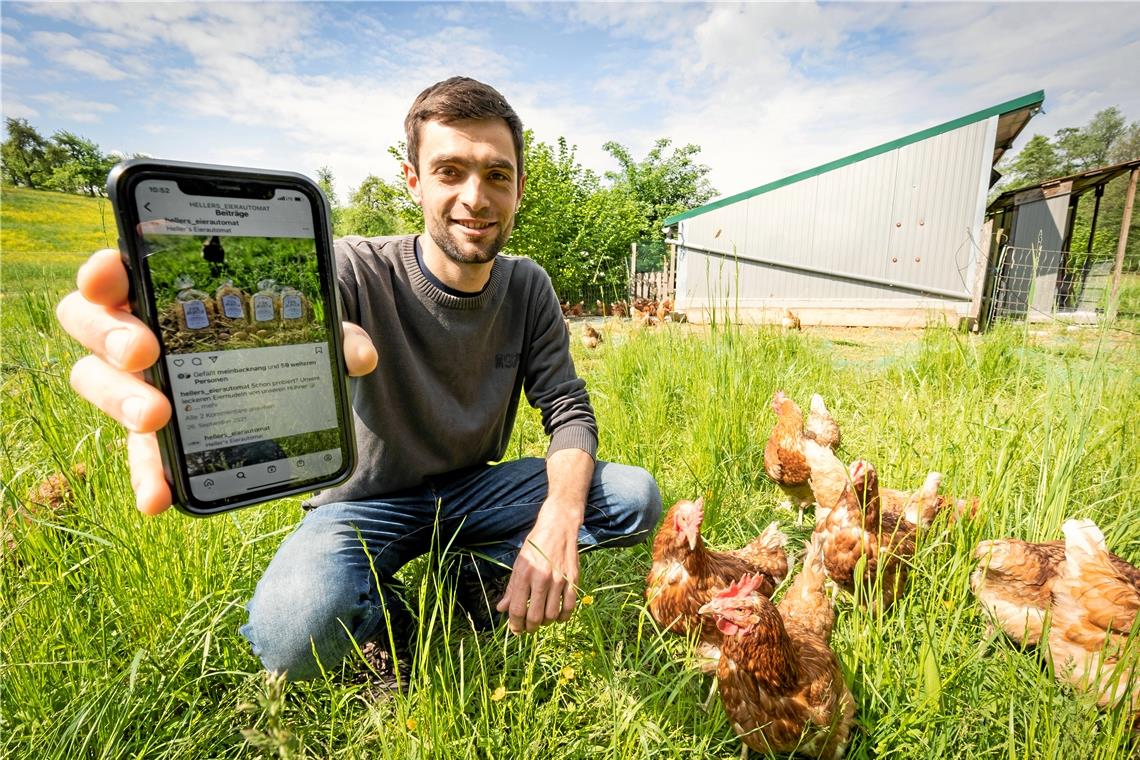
[
  {"x": 411, "y": 724},
  {"x": 587, "y": 600},
  {"x": 568, "y": 673},
  {"x": 499, "y": 694}
]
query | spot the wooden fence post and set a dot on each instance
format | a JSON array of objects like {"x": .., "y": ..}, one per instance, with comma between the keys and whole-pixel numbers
[{"x": 1125, "y": 223}]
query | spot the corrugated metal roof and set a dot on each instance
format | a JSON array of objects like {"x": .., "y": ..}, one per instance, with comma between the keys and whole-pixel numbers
[{"x": 1031, "y": 101}]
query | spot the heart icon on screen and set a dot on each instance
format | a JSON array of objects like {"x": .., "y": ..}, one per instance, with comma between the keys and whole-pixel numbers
[{"x": 179, "y": 362}]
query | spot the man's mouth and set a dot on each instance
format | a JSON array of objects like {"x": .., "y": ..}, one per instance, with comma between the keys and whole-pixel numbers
[{"x": 473, "y": 224}]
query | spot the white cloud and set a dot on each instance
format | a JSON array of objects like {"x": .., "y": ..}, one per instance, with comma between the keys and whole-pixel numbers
[
  {"x": 14, "y": 109},
  {"x": 75, "y": 109}
]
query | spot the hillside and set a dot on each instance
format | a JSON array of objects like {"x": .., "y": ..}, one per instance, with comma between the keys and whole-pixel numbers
[{"x": 43, "y": 227}]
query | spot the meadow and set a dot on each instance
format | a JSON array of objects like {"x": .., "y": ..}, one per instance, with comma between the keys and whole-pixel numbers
[{"x": 118, "y": 633}]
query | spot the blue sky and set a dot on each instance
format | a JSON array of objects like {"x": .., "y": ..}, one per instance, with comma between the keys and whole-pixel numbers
[{"x": 765, "y": 89}]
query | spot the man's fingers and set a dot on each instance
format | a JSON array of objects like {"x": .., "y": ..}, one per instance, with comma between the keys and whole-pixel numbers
[
  {"x": 554, "y": 597},
  {"x": 123, "y": 396},
  {"x": 152, "y": 494},
  {"x": 103, "y": 280},
  {"x": 514, "y": 604},
  {"x": 569, "y": 599},
  {"x": 541, "y": 596},
  {"x": 359, "y": 353},
  {"x": 123, "y": 341}
]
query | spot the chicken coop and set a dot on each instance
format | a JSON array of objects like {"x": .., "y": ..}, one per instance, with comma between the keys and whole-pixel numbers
[
  {"x": 890, "y": 236},
  {"x": 1041, "y": 271}
]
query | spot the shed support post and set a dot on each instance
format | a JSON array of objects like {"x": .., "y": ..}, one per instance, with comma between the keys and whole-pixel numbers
[
  {"x": 1122, "y": 244},
  {"x": 632, "y": 271},
  {"x": 981, "y": 271}
]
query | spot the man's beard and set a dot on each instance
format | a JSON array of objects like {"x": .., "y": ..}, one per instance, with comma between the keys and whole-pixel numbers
[{"x": 450, "y": 248}]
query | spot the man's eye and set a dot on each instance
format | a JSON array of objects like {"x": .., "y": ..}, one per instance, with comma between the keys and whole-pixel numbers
[
  {"x": 446, "y": 171},
  {"x": 500, "y": 177}
]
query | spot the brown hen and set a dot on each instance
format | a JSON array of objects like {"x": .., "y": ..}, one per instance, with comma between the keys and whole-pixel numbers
[
  {"x": 1014, "y": 583},
  {"x": 858, "y": 529},
  {"x": 1095, "y": 606},
  {"x": 784, "y": 459},
  {"x": 685, "y": 573},
  {"x": 781, "y": 684}
]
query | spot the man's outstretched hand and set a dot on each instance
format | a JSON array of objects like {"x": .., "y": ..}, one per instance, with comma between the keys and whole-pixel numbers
[
  {"x": 97, "y": 315},
  {"x": 544, "y": 580}
]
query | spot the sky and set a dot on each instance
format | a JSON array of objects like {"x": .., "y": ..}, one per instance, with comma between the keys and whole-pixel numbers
[{"x": 765, "y": 89}]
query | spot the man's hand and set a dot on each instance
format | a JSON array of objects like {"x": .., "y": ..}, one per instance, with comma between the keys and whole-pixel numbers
[
  {"x": 97, "y": 316},
  {"x": 544, "y": 580}
]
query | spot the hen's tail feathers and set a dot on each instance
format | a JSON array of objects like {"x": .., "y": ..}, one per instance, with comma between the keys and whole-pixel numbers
[{"x": 1083, "y": 541}]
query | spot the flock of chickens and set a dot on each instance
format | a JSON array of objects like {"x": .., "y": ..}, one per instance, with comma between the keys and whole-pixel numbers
[{"x": 780, "y": 682}]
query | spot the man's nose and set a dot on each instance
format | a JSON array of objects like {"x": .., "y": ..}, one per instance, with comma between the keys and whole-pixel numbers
[{"x": 472, "y": 194}]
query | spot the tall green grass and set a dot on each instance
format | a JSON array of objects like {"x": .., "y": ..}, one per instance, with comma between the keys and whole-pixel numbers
[{"x": 119, "y": 636}]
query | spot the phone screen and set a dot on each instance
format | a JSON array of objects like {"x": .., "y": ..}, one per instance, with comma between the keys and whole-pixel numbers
[{"x": 245, "y": 328}]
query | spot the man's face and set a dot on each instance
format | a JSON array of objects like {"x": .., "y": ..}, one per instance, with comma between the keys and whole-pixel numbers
[{"x": 468, "y": 185}]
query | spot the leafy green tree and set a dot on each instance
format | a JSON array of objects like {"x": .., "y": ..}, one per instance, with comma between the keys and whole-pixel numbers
[
  {"x": 23, "y": 154},
  {"x": 375, "y": 209},
  {"x": 663, "y": 183},
  {"x": 76, "y": 164},
  {"x": 1037, "y": 162},
  {"x": 579, "y": 231},
  {"x": 1089, "y": 147}
]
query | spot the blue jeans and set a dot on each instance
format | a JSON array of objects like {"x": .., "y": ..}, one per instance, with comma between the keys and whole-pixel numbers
[{"x": 333, "y": 577}]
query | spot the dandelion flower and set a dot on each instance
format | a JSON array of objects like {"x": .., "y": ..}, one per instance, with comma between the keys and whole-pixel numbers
[
  {"x": 499, "y": 694},
  {"x": 568, "y": 673},
  {"x": 587, "y": 600},
  {"x": 411, "y": 724}
]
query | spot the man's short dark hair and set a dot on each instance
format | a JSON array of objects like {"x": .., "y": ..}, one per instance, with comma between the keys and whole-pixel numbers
[{"x": 460, "y": 98}]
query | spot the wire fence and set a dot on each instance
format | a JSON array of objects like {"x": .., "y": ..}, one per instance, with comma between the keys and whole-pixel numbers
[{"x": 1032, "y": 283}]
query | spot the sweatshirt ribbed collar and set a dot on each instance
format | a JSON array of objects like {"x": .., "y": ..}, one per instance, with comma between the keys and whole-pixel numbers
[{"x": 424, "y": 287}]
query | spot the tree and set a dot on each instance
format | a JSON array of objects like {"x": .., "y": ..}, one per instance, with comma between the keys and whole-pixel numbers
[
  {"x": 374, "y": 210},
  {"x": 76, "y": 164},
  {"x": 662, "y": 184},
  {"x": 1089, "y": 147},
  {"x": 577, "y": 230},
  {"x": 23, "y": 154},
  {"x": 1037, "y": 162}
]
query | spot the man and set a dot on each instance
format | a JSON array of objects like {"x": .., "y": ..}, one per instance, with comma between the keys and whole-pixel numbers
[{"x": 442, "y": 335}]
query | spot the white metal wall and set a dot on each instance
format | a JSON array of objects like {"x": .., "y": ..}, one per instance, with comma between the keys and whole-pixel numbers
[{"x": 909, "y": 215}]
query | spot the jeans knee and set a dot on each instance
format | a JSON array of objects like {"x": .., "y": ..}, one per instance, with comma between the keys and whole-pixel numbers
[
  {"x": 634, "y": 497},
  {"x": 301, "y": 622}
]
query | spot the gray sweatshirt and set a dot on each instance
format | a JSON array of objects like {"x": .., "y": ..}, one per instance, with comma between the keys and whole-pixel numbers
[{"x": 446, "y": 389}]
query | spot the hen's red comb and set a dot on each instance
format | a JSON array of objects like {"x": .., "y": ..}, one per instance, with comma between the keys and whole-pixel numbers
[{"x": 742, "y": 587}]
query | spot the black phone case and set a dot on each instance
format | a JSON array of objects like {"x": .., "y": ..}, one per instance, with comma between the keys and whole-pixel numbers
[{"x": 120, "y": 183}]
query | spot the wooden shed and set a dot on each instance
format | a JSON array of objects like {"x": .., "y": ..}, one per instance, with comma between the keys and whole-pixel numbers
[{"x": 889, "y": 236}]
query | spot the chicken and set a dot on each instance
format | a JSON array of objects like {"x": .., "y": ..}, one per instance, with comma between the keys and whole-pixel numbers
[
  {"x": 790, "y": 321},
  {"x": 576, "y": 310},
  {"x": 619, "y": 309},
  {"x": 821, "y": 426},
  {"x": 591, "y": 337},
  {"x": 858, "y": 528},
  {"x": 685, "y": 573},
  {"x": 1095, "y": 605},
  {"x": 1014, "y": 583},
  {"x": 600, "y": 309},
  {"x": 828, "y": 474},
  {"x": 784, "y": 459},
  {"x": 779, "y": 681}
]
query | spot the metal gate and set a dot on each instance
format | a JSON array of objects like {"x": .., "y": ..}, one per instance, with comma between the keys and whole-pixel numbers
[{"x": 1031, "y": 283}]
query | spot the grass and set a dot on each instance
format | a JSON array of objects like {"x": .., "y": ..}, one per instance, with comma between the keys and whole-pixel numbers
[{"x": 119, "y": 636}]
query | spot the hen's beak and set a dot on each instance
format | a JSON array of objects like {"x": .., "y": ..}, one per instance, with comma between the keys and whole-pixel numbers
[{"x": 707, "y": 609}]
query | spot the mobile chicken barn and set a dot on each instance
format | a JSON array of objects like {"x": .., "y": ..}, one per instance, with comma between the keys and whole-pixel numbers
[{"x": 889, "y": 236}]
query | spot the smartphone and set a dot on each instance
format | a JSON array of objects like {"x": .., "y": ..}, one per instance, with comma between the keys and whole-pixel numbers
[{"x": 233, "y": 270}]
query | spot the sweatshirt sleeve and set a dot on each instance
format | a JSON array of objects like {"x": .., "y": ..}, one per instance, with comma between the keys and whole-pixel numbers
[{"x": 551, "y": 383}]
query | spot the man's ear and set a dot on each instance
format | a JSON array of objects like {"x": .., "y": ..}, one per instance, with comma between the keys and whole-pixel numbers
[
  {"x": 522, "y": 185},
  {"x": 413, "y": 181}
]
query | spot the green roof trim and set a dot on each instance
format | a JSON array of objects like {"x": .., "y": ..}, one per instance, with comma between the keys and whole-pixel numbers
[{"x": 1017, "y": 104}]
